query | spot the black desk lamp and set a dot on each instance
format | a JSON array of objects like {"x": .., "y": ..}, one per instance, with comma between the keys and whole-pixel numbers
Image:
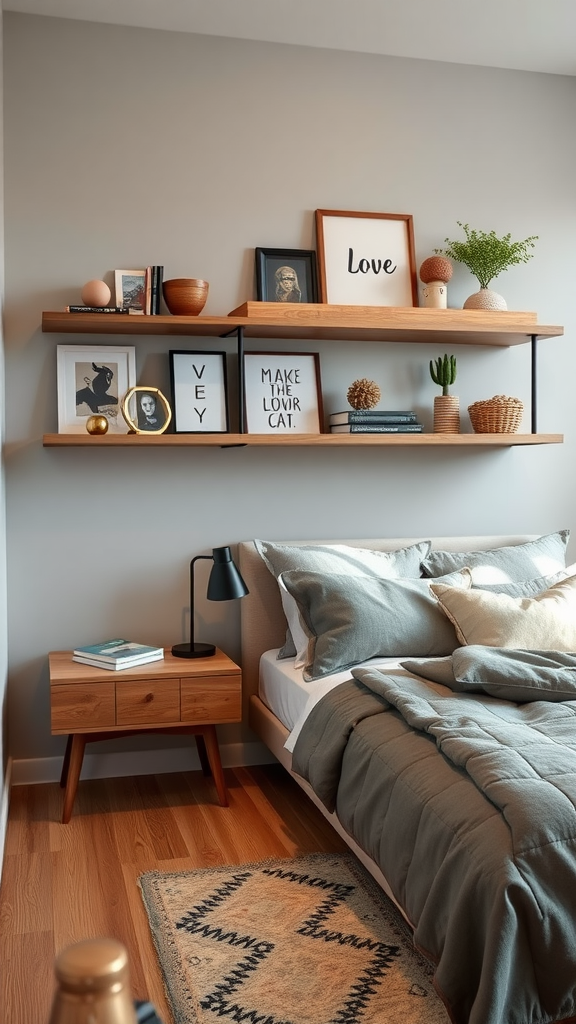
[{"x": 225, "y": 584}]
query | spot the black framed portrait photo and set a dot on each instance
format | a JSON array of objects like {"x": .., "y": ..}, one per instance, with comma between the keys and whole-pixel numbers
[{"x": 286, "y": 275}]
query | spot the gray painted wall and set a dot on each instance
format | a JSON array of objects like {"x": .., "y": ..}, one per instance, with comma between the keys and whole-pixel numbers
[{"x": 125, "y": 147}]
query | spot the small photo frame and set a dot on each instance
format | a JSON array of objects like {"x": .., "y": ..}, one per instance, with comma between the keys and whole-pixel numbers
[
  {"x": 199, "y": 394},
  {"x": 93, "y": 380},
  {"x": 146, "y": 410},
  {"x": 130, "y": 287},
  {"x": 366, "y": 259},
  {"x": 282, "y": 392},
  {"x": 286, "y": 275}
]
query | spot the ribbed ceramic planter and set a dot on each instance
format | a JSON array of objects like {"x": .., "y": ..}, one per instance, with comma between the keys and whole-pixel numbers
[
  {"x": 485, "y": 299},
  {"x": 446, "y": 414}
]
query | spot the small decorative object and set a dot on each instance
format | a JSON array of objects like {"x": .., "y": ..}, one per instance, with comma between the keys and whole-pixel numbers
[
  {"x": 146, "y": 410},
  {"x": 286, "y": 275},
  {"x": 435, "y": 273},
  {"x": 497, "y": 415},
  {"x": 487, "y": 256},
  {"x": 366, "y": 259},
  {"x": 282, "y": 393},
  {"x": 199, "y": 399},
  {"x": 96, "y": 293},
  {"x": 225, "y": 584},
  {"x": 93, "y": 381},
  {"x": 93, "y": 983},
  {"x": 446, "y": 406},
  {"x": 185, "y": 296},
  {"x": 363, "y": 394},
  {"x": 97, "y": 425},
  {"x": 131, "y": 289}
]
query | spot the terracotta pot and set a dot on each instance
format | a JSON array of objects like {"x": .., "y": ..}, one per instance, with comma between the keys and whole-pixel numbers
[{"x": 446, "y": 414}]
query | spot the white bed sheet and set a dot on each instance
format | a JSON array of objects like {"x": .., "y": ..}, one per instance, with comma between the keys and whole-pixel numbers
[{"x": 283, "y": 690}]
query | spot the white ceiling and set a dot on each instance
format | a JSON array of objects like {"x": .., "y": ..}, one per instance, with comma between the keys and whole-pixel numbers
[{"x": 526, "y": 35}]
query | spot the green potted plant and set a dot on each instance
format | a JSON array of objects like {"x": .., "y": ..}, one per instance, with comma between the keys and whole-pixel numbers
[
  {"x": 487, "y": 256},
  {"x": 446, "y": 406}
]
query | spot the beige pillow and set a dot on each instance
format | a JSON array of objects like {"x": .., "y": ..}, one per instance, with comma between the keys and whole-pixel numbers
[{"x": 545, "y": 622}]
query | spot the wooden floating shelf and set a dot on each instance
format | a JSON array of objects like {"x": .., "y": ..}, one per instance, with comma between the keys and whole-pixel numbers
[
  {"x": 297, "y": 440},
  {"x": 322, "y": 322}
]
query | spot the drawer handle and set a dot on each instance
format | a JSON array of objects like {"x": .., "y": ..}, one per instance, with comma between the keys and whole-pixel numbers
[{"x": 149, "y": 697}]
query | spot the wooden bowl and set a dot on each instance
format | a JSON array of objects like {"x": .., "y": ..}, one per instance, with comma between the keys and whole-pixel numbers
[{"x": 185, "y": 296}]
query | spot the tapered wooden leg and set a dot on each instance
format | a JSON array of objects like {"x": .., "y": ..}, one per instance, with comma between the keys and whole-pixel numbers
[
  {"x": 66, "y": 762},
  {"x": 201, "y": 747},
  {"x": 213, "y": 752},
  {"x": 73, "y": 774}
]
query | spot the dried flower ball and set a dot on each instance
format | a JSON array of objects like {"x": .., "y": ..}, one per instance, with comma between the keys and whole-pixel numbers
[
  {"x": 363, "y": 394},
  {"x": 436, "y": 268}
]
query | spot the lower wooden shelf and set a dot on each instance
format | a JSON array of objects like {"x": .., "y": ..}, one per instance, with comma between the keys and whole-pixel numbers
[{"x": 297, "y": 440}]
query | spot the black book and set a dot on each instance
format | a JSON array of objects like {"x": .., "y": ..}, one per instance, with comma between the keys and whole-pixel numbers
[
  {"x": 95, "y": 309},
  {"x": 159, "y": 275}
]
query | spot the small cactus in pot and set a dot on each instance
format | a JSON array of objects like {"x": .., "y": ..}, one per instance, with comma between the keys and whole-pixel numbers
[{"x": 446, "y": 406}]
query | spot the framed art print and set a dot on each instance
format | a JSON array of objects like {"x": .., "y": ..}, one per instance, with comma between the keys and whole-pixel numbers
[
  {"x": 366, "y": 259},
  {"x": 199, "y": 398},
  {"x": 130, "y": 288},
  {"x": 146, "y": 410},
  {"x": 93, "y": 380},
  {"x": 286, "y": 275},
  {"x": 282, "y": 393}
]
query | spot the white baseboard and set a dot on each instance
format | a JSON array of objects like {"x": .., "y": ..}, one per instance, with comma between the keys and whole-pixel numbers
[
  {"x": 34, "y": 770},
  {"x": 4, "y": 804}
]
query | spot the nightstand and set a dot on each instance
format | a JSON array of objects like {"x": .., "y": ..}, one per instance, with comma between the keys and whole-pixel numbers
[{"x": 172, "y": 695}]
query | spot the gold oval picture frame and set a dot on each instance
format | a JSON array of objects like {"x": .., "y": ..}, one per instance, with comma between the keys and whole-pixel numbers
[{"x": 146, "y": 410}]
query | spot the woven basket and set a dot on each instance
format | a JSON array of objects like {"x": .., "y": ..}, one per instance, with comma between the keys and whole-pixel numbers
[{"x": 498, "y": 415}]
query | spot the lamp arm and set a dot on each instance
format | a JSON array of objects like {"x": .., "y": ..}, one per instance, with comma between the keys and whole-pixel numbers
[{"x": 196, "y": 559}]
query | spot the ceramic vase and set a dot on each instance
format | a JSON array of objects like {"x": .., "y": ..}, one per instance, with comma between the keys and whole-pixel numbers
[
  {"x": 446, "y": 414},
  {"x": 485, "y": 298},
  {"x": 435, "y": 295}
]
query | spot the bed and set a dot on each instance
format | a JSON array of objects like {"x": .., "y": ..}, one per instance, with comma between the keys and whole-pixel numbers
[{"x": 495, "y": 913}]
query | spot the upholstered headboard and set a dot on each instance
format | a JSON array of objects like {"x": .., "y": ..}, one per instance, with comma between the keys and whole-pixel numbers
[{"x": 263, "y": 625}]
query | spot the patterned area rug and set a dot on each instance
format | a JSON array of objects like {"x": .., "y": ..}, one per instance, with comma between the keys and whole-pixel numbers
[{"x": 305, "y": 941}]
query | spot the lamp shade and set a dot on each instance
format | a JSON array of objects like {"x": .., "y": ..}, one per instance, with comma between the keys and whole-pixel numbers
[{"x": 225, "y": 583}]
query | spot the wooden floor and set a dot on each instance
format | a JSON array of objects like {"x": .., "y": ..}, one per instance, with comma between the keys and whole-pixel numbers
[{"x": 65, "y": 883}]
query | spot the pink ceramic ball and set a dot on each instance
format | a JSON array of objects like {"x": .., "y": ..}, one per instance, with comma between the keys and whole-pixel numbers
[
  {"x": 436, "y": 268},
  {"x": 96, "y": 293}
]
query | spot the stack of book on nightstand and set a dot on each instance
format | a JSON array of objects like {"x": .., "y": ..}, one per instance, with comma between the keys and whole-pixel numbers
[
  {"x": 374, "y": 421},
  {"x": 117, "y": 654}
]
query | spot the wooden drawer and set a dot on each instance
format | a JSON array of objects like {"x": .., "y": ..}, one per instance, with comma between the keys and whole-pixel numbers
[
  {"x": 148, "y": 703},
  {"x": 211, "y": 699},
  {"x": 78, "y": 707}
]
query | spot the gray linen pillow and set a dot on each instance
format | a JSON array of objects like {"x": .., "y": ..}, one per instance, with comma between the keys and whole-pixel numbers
[
  {"x": 352, "y": 618},
  {"x": 340, "y": 558},
  {"x": 512, "y": 563}
]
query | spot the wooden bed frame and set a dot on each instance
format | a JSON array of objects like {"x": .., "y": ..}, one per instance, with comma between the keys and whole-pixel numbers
[{"x": 263, "y": 627}]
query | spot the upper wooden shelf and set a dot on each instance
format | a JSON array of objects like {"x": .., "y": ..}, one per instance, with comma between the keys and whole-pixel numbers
[{"x": 319, "y": 321}]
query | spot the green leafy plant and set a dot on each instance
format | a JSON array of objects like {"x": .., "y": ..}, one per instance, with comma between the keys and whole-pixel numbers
[
  {"x": 443, "y": 372},
  {"x": 485, "y": 254}
]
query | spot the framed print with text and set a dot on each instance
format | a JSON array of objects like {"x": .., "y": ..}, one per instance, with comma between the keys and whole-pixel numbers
[
  {"x": 366, "y": 259},
  {"x": 199, "y": 397},
  {"x": 283, "y": 393}
]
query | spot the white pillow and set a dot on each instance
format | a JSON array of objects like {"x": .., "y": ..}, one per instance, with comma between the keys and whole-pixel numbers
[{"x": 546, "y": 622}]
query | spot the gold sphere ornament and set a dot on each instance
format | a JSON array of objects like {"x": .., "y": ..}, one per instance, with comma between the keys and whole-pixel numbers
[
  {"x": 363, "y": 394},
  {"x": 97, "y": 425}
]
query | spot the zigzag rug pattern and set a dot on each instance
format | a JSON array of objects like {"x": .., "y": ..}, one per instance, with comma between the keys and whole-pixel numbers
[{"x": 310, "y": 940}]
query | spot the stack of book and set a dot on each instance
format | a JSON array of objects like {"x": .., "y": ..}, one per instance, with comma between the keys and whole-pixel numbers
[
  {"x": 117, "y": 654},
  {"x": 374, "y": 421}
]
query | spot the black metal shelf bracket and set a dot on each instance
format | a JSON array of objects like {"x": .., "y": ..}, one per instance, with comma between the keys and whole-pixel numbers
[{"x": 533, "y": 353}]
